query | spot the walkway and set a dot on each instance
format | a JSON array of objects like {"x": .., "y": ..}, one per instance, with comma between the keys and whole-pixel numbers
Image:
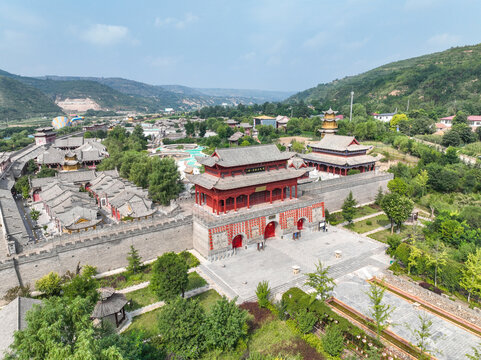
[{"x": 362, "y": 218}]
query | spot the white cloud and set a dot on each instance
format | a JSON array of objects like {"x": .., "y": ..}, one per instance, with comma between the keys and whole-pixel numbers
[
  {"x": 444, "y": 40},
  {"x": 177, "y": 23},
  {"x": 249, "y": 56},
  {"x": 101, "y": 34},
  {"x": 355, "y": 45},
  {"x": 316, "y": 41}
]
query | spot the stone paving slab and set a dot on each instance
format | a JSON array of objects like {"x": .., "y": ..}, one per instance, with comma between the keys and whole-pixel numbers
[{"x": 452, "y": 341}]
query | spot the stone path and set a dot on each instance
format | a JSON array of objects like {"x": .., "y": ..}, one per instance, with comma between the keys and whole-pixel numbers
[{"x": 362, "y": 218}]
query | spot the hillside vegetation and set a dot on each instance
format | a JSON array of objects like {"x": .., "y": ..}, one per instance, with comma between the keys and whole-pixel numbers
[
  {"x": 444, "y": 82},
  {"x": 20, "y": 101}
]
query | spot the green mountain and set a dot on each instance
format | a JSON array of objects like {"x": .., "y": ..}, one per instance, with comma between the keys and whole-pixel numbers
[
  {"x": 444, "y": 81},
  {"x": 20, "y": 101}
]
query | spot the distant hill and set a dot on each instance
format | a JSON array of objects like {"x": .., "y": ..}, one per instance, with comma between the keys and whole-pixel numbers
[
  {"x": 20, "y": 101},
  {"x": 22, "y": 96},
  {"x": 442, "y": 81}
]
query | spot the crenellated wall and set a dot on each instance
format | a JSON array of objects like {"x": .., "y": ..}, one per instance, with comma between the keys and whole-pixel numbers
[{"x": 106, "y": 251}]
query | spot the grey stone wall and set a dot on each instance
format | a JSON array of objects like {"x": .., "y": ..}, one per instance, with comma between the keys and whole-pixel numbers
[
  {"x": 105, "y": 252},
  {"x": 364, "y": 188}
]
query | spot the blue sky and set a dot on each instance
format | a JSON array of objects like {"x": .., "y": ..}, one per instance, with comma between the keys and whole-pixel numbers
[{"x": 271, "y": 44}]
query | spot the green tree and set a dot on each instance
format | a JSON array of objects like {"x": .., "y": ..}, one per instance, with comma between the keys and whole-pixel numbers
[
  {"x": 83, "y": 285},
  {"x": 61, "y": 329},
  {"x": 297, "y": 146},
  {"x": 225, "y": 325},
  {"x": 180, "y": 325},
  {"x": 420, "y": 181},
  {"x": 189, "y": 128},
  {"x": 164, "y": 181},
  {"x": 169, "y": 276},
  {"x": 305, "y": 320},
  {"x": 414, "y": 256},
  {"x": 471, "y": 279},
  {"x": 202, "y": 129},
  {"x": 348, "y": 208},
  {"x": 50, "y": 284},
  {"x": 460, "y": 118},
  {"x": 398, "y": 186},
  {"x": 422, "y": 334},
  {"x": 22, "y": 186},
  {"x": 396, "y": 119},
  {"x": 135, "y": 261},
  {"x": 379, "y": 311},
  {"x": 333, "y": 341},
  {"x": 451, "y": 138},
  {"x": 320, "y": 281},
  {"x": 397, "y": 208},
  {"x": 436, "y": 259},
  {"x": 263, "y": 292},
  {"x": 34, "y": 214},
  {"x": 379, "y": 196}
]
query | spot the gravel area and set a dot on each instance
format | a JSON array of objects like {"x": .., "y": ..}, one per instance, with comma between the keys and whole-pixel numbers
[{"x": 457, "y": 307}]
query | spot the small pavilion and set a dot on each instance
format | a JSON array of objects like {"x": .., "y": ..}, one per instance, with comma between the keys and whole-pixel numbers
[{"x": 110, "y": 307}]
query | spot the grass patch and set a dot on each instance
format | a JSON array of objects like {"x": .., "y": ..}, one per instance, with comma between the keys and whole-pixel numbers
[
  {"x": 207, "y": 299},
  {"x": 368, "y": 224},
  {"x": 143, "y": 297},
  {"x": 146, "y": 323},
  {"x": 140, "y": 298},
  {"x": 406, "y": 231},
  {"x": 336, "y": 217},
  {"x": 126, "y": 279},
  {"x": 195, "y": 281}
]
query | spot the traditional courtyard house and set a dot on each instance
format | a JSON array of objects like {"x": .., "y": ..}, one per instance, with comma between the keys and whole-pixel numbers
[
  {"x": 44, "y": 136},
  {"x": 329, "y": 123},
  {"x": 110, "y": 307},
  {"x": 122, "y": 200},
  {"x": 234, "y": 139},
  {"x": 70, "y": 143},
  {"x": 247, "y": 195},
  {"x": 265, "y": 120},
  {"x": 13, "y": 318},
  {"x": 5, "y": 161},
  {"x": 281, "y": 122},
  {"x": 338, "y": 154},
  {"x": 69, "y": 209},
  {"x": 247, "y": 128},
  {"x": 231, "y": 123}
]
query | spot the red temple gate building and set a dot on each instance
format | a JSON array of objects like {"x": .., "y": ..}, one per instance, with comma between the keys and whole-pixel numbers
[
  {"x": 337, "y": 154},
  {"x": 249, "y": 194}
]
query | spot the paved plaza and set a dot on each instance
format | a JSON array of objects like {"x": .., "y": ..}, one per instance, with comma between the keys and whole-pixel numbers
[{"x": 361, "y": 258}]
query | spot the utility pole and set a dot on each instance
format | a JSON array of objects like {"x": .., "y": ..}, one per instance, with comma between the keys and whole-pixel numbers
[
  {"x": 350, "y": 114},
  {"x": 407, "y": 109}
]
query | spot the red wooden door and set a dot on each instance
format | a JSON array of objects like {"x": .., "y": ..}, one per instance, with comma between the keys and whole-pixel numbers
[
  {"x": 270, "y": 230},
  {"x": 237, "y": 242},
  {"x": 300, "y": 224}
]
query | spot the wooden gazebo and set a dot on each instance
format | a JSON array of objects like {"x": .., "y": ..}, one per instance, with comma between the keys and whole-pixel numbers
[{"x": 110, "y": 307}]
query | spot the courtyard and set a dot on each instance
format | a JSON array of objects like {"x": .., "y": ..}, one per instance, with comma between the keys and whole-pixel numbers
[{"x": 358, "y": 258}]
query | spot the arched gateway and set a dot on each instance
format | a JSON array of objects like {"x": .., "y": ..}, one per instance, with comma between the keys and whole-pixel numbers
[
  {"x": 270, "y": 230},
  {"x": 237, "y": 242},
  {"x": 300, "y": 224}
]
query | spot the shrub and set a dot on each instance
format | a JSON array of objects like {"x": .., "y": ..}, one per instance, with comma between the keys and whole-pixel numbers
[
  {"x": 305, "y": 320},
  {"x": 393, "y": 241},
  {"x": 50, "y": 285},
  {"x": 369, "y": 222},
  {"x": 263, "y": 292},
  {"x": 430, "y": 287},
  {"x": 402, "y": 253},
  {"x": 451, "y": 275},
  {"x": 332, "y": 341},
  {"x": 13, "y": 293},
  {"x": 190, "y": 259},
  {"x": 353, "y": 172}
]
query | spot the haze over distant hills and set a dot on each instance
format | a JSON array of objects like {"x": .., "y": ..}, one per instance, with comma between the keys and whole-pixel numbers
[
  {"x": 42, "y": 94},
  {"x": 443, "y": 81}
]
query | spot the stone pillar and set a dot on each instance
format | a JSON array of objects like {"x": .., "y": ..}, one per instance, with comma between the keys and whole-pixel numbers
[
  {"x": 282, "y": 193},
  {"x": 296, "y": 191},
  {"x": 290, "y": 192},
  {"x": 270, "y": 196},
  {"x": 248, "y": 205},
  {"x": 235, "y": 202}
]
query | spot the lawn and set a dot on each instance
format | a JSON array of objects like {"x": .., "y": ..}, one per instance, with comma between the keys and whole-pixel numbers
[
  {"x": 126, "y": 279},
  {"x": 336, "y": 218},
  {"x": 382, "y": 235},
  {"x": 373, "y": 223},
  {"x": 390, "y": 153},
  {"x": 146, "y": 323},
  {"x": 207, "y": 299},
  {"x": 143, "y": 297}
]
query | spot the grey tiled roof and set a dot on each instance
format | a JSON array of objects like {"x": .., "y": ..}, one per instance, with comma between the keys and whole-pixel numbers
[
  {"x": 239, "y": 181},
  {"x": 236, "y": 136},
  {"x": 245, "y": 125},
  {"x": 338, "y": 143},
  {"x": 12, "y": 318},
  {"x": 70, "y": 142},
  {"x": 340, "y": 160},
  {"x": 239, "y": 156},
  {"x": 109, "y": 306}
]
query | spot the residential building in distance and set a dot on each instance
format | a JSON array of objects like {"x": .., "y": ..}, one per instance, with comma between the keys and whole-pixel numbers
[
  {"x": 385, "y": 117},
  {"x": 247, "y": 128},
  {"x": 281, "y": 122},
  {"x": 338, "y": 154},
  {"x": 473, "y": 121},
  {"x": 265, "y": 120}
]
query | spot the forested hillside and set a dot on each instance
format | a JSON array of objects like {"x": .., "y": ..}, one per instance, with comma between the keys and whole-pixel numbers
[
  {"x": 444, "y": 82},
  {"x": 19, "y": 101}
]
